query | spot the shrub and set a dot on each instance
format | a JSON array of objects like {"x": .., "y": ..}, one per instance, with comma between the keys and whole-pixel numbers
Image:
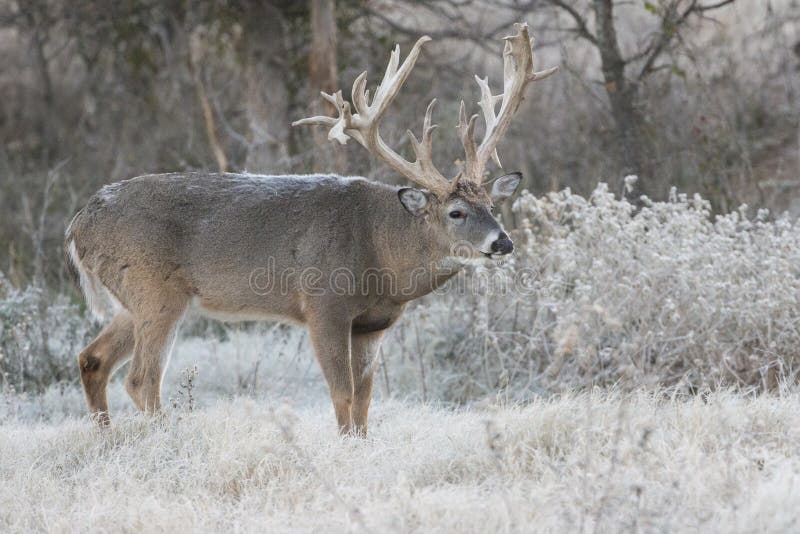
[
  {"x": 668, "y": 296},
  {"x": 40, "y": 337}
]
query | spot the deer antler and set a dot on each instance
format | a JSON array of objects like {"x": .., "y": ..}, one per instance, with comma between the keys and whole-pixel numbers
[
  {"x": 364, "y": 123},
  {"x": 517, "y": 74}
]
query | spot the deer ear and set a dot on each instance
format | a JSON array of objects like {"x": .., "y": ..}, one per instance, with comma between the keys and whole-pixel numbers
[
  {"x": 504, "y": 187},
  {"x": 413, "y": 200}
]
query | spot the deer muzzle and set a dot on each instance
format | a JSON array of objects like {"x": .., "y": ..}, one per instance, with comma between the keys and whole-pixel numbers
[{"x": 502, "y": 245}]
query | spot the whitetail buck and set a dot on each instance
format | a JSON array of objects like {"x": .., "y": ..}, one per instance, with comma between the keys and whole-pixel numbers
[{"x": 153, "y": 247}]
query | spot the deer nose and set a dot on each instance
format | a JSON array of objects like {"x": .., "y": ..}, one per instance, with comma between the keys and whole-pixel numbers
[{"x": 502, "y": 245}]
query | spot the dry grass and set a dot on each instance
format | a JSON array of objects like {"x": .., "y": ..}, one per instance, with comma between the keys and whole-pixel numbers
[{"x": 602, "y": 462}]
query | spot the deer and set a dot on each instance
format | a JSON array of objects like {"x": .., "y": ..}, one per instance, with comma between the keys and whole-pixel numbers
[{"x": 148, "y": 250}]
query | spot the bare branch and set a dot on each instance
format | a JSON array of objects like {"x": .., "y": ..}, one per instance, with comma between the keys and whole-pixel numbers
[
  {"x": 670, "y": 27},
  {"x": 581, "y": 27},
  {"x": 716, "y": 5}
]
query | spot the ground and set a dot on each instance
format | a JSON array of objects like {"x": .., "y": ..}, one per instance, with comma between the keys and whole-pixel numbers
[{"x": 599, "y": 461}]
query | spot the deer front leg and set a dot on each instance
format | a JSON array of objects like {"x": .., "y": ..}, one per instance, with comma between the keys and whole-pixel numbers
[
  {"x": 152, "y": 346},
  {"x": 364, "y": 358},
  {"x": 331, "y": 339}
]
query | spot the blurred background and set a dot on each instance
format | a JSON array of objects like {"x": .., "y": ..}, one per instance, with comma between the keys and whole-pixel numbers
[{"x": 701, "y": 95}]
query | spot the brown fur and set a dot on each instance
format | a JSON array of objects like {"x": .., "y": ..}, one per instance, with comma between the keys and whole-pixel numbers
[{"x": 160, "y": 244}]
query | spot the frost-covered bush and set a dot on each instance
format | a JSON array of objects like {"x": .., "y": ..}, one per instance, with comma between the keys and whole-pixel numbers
[
  {"x": 668, "y": 295},
  {"x": 40, "y": 337}
]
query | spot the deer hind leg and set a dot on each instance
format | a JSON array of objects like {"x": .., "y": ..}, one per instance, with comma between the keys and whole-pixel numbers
[
  {"x": 154, "y": 338},
  {"x": 364, "y": 359},
  {"x": 98, "y": 361},
  {"x": 331, "y": 339}
]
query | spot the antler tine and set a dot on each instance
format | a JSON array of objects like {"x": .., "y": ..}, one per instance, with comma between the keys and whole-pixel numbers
[
  {"x": 517, "y": 73},
  {"x": 466, "y": 132},
  {"x": 427, "y": 127},
  {"x": 487, "y": 104},
  {"x": 331, "y": 98},
  {"x": 359, "y": 93},
  {"x": 338, "y": 124},
  {"x": 394, "y": 78},
  {"x": 322, "y": 120},
  {"x": 424, "y": 150}
]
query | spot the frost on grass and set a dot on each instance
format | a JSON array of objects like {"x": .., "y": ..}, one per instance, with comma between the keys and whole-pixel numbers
[{"x": 595, "y": 461}]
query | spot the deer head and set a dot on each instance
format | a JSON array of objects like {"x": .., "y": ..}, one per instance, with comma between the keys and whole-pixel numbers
[{"x": 459, "y": 209}]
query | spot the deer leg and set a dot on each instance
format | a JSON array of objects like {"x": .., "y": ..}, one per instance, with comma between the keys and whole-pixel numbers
[
  {"x": 364, "y": 358},
  {"x": 153, "y": 343},
  {"x": 331, "y": 340},
  {"x": 100, "y": 359}
]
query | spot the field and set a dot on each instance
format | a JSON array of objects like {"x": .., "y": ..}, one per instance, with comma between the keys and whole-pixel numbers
[{"x": 594, "y": 462}]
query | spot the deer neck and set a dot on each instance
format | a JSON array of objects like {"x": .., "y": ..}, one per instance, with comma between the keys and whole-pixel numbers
[{"x": 410, "y": 249}]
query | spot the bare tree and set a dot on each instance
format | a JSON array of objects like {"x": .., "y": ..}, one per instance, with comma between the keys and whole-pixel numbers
[
  {"x": 623, "y": 75},
  {"x": 323, "y": 74}
]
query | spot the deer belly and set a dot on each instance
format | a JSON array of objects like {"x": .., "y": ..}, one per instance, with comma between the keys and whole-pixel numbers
[
  {"x": 231, "y": 314},
  {"x": 377, "y": 319}
]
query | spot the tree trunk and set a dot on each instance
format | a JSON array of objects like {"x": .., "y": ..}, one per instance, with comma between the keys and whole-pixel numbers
[
  {"x": 623, "y": 96},
  {"x": 266, "y": 95},
  {"x": 208, "y": 118},
  {"x": 39, "y": 35},
  {"x": 323, "y": 76}
]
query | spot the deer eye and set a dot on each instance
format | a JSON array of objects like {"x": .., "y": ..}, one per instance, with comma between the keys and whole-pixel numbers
[{"x": 457, "y": 214}]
